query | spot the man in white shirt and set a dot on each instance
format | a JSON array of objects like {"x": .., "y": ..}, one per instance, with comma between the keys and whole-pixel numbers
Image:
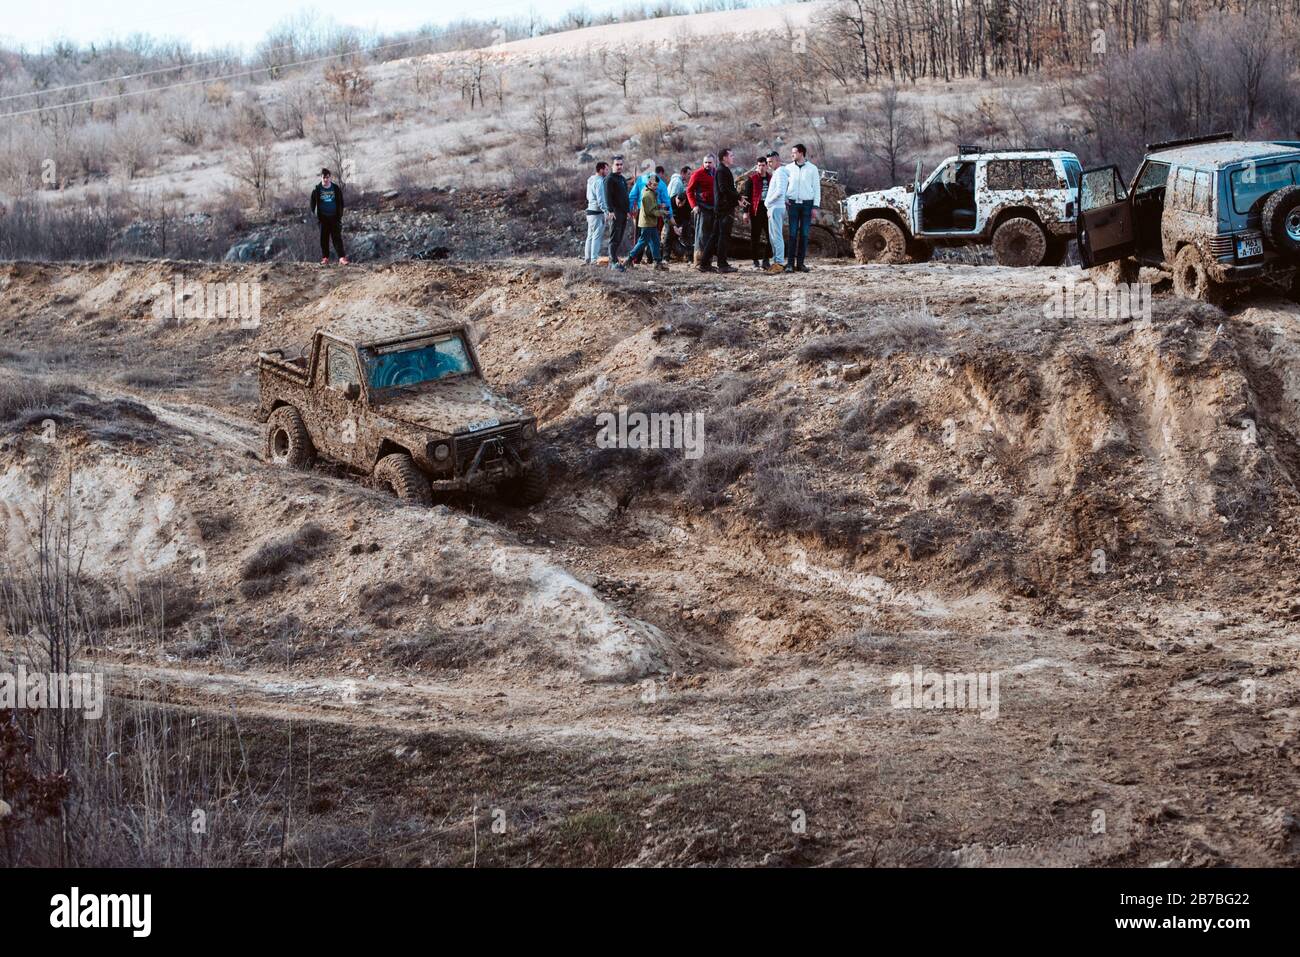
[
  {"x": 774, "y": 200},
  {"x": 597, "y": 212},
  {"x": 805, "y": 196}
]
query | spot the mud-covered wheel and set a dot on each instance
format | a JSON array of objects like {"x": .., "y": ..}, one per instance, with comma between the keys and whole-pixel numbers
[
  {"x": 1192, "y": 279},
  {"x": 880, "y": 241},
  {"x": 1281, "y": 221},
  {"x": 919, "y": 251},
  {"x": 529, "y": 487},
  {"x": 1057, "y": 249},
  {"x": 397, "y": 471},
  {"x": 1120, "y": 272},
  {"x": 1019, "y": 242},
  {"x": 288, "y": 443}
]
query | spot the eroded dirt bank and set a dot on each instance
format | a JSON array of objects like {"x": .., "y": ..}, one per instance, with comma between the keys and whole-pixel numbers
[{"x": 903, "y": 466}]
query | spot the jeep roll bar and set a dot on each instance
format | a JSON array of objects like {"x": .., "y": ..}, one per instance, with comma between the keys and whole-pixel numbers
[{"x": 1211, "y": 138}]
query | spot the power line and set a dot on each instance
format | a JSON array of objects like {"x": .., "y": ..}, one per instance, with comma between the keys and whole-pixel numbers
[
  {"x": 211, "y": 79},
  {"x": 443, "y": 34},
  {"x": 129, "y": 76}
]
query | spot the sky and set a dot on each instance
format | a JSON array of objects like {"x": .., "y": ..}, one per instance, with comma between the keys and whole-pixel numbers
[{"x": 245, "y": 22}]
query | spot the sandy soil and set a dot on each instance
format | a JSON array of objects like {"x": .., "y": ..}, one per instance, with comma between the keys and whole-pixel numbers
[
  {"x": 669, "y": 663},
  {"x": 665, "y": 31}
]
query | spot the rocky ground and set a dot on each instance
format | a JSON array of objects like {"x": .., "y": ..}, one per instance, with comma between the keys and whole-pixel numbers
[{"x": 676, "y": 661}]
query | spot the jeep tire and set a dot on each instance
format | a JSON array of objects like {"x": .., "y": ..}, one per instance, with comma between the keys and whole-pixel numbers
[
  {"x": 1192, "y": 279},
  {"x": 1019, "y": 242},
  {"x": 288, "y": 443},
  {"x": 1281, "y": 221},
  {"x": 397, "y": 471},
  {"x": 528, "y": 487},
  {"x": 1118, "y": 272},
  {"x": 1057, "y": 249},
  {"x": 880, "y": 241}
]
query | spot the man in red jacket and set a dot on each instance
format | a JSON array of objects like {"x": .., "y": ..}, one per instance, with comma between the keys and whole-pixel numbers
[
  {"x": 702, "y": 194},
  {"x": 755, "y": 211}
]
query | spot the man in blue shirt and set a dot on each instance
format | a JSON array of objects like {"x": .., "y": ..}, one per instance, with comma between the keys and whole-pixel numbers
[{"x": 661, "y": 193}]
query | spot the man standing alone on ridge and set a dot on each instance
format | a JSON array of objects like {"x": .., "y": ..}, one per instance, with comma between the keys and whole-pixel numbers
[
  {"x": 596, "y": 212},
  {"x": 728, "y": 200},
  {"x": 805, "y": 195},
  {"x": 775, "y": 200},
  {"x": 327, "y": 204},
  {"x": 616, "y": 201}
]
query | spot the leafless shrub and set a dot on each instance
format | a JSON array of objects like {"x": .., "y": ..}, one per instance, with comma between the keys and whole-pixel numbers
[
  {"x": 134, "y": 143},
  {"x": 273, "y": 557},
  {"x": 138, "y": 785},
  {"x": 254, "y": 162},
  {"x": 915, "y": 331}
]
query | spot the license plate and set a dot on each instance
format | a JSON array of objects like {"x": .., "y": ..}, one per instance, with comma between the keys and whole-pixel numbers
[
  {"x": 1250, "y": 247},
  {"x": 485, "y": 424}
]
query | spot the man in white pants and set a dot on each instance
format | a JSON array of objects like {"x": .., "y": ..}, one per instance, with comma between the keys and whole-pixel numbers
[
  {"x": 777, "y": 189},
  {"x": 597, "y": 213}
]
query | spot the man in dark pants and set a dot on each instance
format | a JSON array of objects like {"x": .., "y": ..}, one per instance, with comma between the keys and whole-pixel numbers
[
  {"x": 702, "y": 193},
  {"x": 804, "y": 195},
  {"x": 616, "y": 200},
  {"x": 728, "y": 200},
  {"x": 327, "y": 204},
  {"x": 760, "y": 247}
]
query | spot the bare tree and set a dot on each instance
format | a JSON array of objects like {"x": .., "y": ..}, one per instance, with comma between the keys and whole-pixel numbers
[
  {"x": 580, "y": 102},
  {"x": 349, "y": 88},
  {"x": 619, "y": 69},
  {"x": 890, "y": 133},
  {"x": 544, "y": 118},
  {"x": 254, "y": 162}
]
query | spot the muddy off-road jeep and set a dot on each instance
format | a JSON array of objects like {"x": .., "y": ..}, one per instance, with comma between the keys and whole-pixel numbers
[
  {"x": 399, "y": 395},
  {"x": 1213, "y": 211},
  {"x": 1021, "y": 201}
]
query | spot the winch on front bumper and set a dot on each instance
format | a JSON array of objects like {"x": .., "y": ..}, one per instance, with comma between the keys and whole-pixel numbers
[{"x": 486, "y": 457}]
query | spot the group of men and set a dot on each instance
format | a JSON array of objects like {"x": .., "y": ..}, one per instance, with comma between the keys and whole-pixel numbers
[{"x": 695, "y": 211}]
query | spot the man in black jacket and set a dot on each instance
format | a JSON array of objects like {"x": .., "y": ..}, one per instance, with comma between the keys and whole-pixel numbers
[
  {"x": 616, "y": 199},
  {"x": 727, "y": 199},
  {"x": 327, "y": 204}
]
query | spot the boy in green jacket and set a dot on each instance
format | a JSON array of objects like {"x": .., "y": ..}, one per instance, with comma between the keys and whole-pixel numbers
[{"x": 648, "y": 214}]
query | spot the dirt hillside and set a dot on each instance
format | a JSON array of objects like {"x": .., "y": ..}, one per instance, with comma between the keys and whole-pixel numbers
[{"x": 902, "y": 466}]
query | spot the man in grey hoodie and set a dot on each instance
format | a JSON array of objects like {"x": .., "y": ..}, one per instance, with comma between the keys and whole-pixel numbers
[{"x": 597, "y": 211}]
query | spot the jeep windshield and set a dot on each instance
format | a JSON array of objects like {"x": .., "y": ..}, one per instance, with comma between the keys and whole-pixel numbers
[
  {"x": 414, "y": 363},
  {"x": 1251, "y": 182}
]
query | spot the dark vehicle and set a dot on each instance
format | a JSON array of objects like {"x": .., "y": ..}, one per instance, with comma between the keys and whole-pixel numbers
[{"x": 1214, "y": 212}]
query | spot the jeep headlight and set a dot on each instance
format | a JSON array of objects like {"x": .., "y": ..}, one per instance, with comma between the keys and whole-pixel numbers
[
  {"x": 529, "y": 431},
  {"x": 440, "y": 452}
]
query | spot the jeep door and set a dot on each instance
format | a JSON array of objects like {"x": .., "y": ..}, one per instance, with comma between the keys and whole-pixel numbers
[
  {"x": 339, "y": 396},
  {"x": 1105, "y": 224}
]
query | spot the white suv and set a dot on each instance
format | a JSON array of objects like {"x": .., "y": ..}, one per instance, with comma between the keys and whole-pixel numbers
[{"x": 1021, "y": 201}]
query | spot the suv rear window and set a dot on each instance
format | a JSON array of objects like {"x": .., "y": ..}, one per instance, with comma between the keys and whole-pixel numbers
[
  {"x": 1251, "y": 183},
  {"x": 1022, "y": 174},
  {"x": 1072, "y": 172}
]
